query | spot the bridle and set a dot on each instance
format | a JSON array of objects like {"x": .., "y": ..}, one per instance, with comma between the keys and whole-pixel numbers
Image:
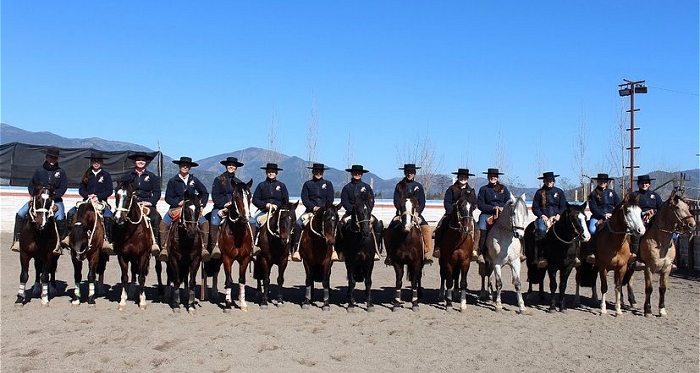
[
  {"x": 45, "y": 211},
  {"x": 279, "y": 212},
  {"x": 461, "y": 227}
]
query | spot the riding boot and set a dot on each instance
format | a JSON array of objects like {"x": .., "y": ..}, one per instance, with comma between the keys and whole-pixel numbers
[
  {"x": 214, "y": 239},
  {"x": 65, "y": 242},
  {"x": 634, "y": 250},
  {"x": 155, "y": 247},
  {"x": 295, "y": 245},
  {"x": 164, "y": 233},
  {"x": 437, "y": 233},
  {"x": 590, "y": 248},
  {"x": 254, "y": 232},
  {"x": 107, "y": 247},
  {"x": 539, "y": 253},
  {"x": 204, "y": 231},
  {"x": 62, "y": 227},
  {"x": 15, "y": 234},
  {"x": 156, "y": 222},
  {"x": 427, "y": 243},
  {"x": 482, "y": 246}
]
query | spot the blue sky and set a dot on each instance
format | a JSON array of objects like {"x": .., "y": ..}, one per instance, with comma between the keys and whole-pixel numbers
[{"x": 482, "y": 81}]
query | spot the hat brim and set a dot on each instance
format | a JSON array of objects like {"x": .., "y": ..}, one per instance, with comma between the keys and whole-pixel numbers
[
  {"x": 462, "y": 173},
  {"x": 270, "y": 168},
  {"x": 134, "y": 156},
  {"x": 192, "y": 164},
  {"x": 318, "y": 168},
  {"x": 543, "y": 177},
  {"x": 237, "y": 164},
  {"x": 493, "y": 173}
]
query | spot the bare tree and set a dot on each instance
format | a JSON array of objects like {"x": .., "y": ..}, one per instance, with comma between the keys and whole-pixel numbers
[
  {"x": 273, "y": 154},
  {"x": 540, "y": 159},
  {"x": 349, "y": 155},
  {"x": 580, "y": 153},
  {"x": 423, "y": 154},
  {"x": 618, "y": 155},
  {"x": 311, "y": 138}
]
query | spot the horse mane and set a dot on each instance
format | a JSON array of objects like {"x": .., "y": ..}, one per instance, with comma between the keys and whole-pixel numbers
[{"x": 401, "y": 186}]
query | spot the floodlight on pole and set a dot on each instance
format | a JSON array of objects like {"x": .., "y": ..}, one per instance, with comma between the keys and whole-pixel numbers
[{"x": 629, "y": 88}]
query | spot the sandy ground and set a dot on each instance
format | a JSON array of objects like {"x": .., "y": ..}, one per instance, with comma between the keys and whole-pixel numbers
[{"x": 65, "y": 338}]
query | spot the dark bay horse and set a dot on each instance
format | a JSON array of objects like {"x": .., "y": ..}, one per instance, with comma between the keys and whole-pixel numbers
[
  {"x": 274, "y": 241},
  {"x": 37, "y": 240},
  {"x": 133, "y": 239},
  {"x": 316, "y": 243},
  {"x": 404, "y": 245},
  {"x": 559, "y": 249},
  {"x": 236, "y": 241},
  {"x": 185, "y": 243},
  {"x": 86, "y": 238},
  {"x": 358, "y": 246},
  {"x": 657, "y": 248},
  {"x": 457, "y": 243}
]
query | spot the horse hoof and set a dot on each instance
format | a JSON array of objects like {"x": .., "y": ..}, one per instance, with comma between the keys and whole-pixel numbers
[
  {"x": 648, "y": 314},
  {"x": 462, "y": 309},
  {"x": 552, "y": 309},
  {"x": 263, "y": 306},
  {"x": 351, "y": 309},
  {"x": 415, "y": 308},
  {"x": 499, "y": 310},
  {"x": 122, "y": 307},
  {"x": 44, "y": 304},
  {"x": 370, "y": 308},
  {"x": 176, "y": 310},
  {"x": 326, "y": 308},
  {"x": 19, "y": 302},
  {"x": 191, "y": 311},
  {"x": 143, "y": 306},
  {"x": 662, "y": 313},
  {"x": 280, "y": 304},
  {"x": 75, "y": 302},
  {"x": 305, "y": 306}
]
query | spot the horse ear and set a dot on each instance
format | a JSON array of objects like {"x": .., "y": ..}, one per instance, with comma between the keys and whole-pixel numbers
[
  {"x": 249, "y": 184},
  {"x": 523, "y": 197},
  {"x": 583, "y": 206},
  {"x": 295, "y": 204}
]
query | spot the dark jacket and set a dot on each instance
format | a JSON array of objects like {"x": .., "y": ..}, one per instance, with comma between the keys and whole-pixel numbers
[
  {"x": 48, "y": 174},
  {"x": 316, "y": 193},
  {"x": 99, "y": 185},
  {"x": 352, "y": 192},
  {"x": 146, "y": 186},
  {"x": 548, "y": 202},
  {"x": 270, "y": 191},
  {"x": 222, "y": 192},
  {"x": 491, "y": 196},
  {"x": 452, "y": 195},
  {"x": 175, "y": 191},
  {"x": 648, "y": 200},
  {"x": 602, "y": 201}
]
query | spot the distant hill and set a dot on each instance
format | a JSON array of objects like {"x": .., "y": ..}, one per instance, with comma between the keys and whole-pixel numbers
[{"x": 295, "y": 170}]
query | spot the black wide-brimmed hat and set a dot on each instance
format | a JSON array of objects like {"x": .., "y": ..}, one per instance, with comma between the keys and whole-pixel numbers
[
  {"x": 271, "y": 166},
  {"x": 644, "y": 178},
  {"x": 548, "y": 174},
  {"x": 409, "y": 167},
  {"x": 492, "y": 171},
  {"x": 233, "y": 160},
  {"x": 141, "y": 155},
  {"x": 96, "y": 155},
  {"x": 602, "y": 177},
  {"x": 462, "y": 171},
  {"x": 318, "y": 166},
  {"x": 356, "y": 168},
  {"x": 185, "y": 160},
  {"x": 53, "y": 152}
]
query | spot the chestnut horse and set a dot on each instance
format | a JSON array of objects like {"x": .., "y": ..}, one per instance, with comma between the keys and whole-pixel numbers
[
  {"x": 456, "y": 245},
  {"x": 133, "y": 239},
  {"x": 37, "y": 240},
  {"x": 274, "y": 240},
  {"x": 236, "y": 241},
  {"x": 185, "y": 243},
  {"x": 404, "y": 247},
  {"x": 657, "y": 249},
  {"x": 86, "y": 238},
  {"x": 315, "y": 248}
]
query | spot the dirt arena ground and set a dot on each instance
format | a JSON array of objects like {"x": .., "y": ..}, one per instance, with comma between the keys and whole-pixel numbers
[{"x": 66, "y": 338}]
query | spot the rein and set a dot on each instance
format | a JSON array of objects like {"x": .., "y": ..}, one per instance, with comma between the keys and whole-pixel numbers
[
  {"x": 573, "y": 238},
  {"x": 90, "y": 232},
  {"x": 269, "y": 219},
  {"x": 323, "y": 224},
  {"x": 128, "y": 209},
  {"x": 460, "y": 227}
]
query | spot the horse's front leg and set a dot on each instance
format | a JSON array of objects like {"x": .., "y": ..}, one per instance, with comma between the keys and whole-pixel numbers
[
  {"x": 191, "y": 286},
  {"x": 228, "y": 282},
  {"x": 630, "y": 291},
  {"x": 23, "y": 277},
  {"x": 124, "y": 266},
  {"x": 515, "y": 270},
  {"x": 552, "y": 289},
  {"x": 415, "y": 286},
  {"x": 46, "y": 264},
  {"x": 619, "y": 275},
  {"x": 603, "y": 290},
  {"x": 309, "y": 287},
  {"x": 463, "y": 290},
  {"x": 663, "y": 285},
  {"x": 77, "y": 278},
  {"x": 499, "y": 286},
  {"x": 327, "y": 289},
  {"x": 92, "y": 279},
  {"x": 648, "y": 289},
  {"x": 242, "y": 266},
  {"x": 563, "y": 281},
  {"x": 280, "y": 284},
  {"x": 398, "y": 269},
  {"x": 368, "y": 289},
  {"x": 265, "y": 289},
  {"x": 351, "y": 288},
  {"x": 447, "y": 286}
]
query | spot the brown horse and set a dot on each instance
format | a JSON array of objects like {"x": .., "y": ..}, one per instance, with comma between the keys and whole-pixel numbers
[
  {"x": 236, "y": 241},
  {"x": 86, "y": 238},
  {"x": 657, "y": 249},
  {"x": 404, "y": 247},
  {"x": 185, "y": 243},
  {"x": 274, "y": 240},
  {"x": 315, "y": 248},
  {"x": 37, "y": 240},
  {"x": 613, "y": 248},
  {"x": 457, "y": 243},
  {"x": 133, "y": 239}
]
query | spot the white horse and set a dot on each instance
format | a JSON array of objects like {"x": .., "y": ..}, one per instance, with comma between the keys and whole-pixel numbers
[{"x": 503, "y": 243}]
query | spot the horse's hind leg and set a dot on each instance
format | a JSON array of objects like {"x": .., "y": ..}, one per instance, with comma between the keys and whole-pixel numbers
[
  {"x": 368, "y": 290},
  {"x": 23, "y": 277},
  {"x": 398, "y": 269},
  {"x": 552, "y": 290},
  {"x": 77, "y": 278},
  {"x": 463, "y": 290},
  {"x": 191, "y": 287},
  {"x": 280, "y": 284},
  {"x": 648, "y": 289},
  {"x": 351, "y": 289},
  {"x": 124, "y": 265},
  {"x": 663, "y": 285},
  {"x": 515, "y": 270},
  {"x": 241, "y": 285},
  {"x": 326, "y": 289},
  {"x": 499, "y": 286}
]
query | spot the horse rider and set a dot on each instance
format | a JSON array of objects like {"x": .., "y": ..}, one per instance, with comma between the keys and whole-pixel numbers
[
  {"x": 147, "y": 191},
  {"x": 315, "y": 193},
  {"x": 175, "y": 198},
  {"x": 406, "y": 187},
  {"x": 650, "y": 202},
  {"x": 222, "y": 196},
  {"x": 490, "y": 201},
  {"x": 452, "y": 194},
  {"x": 601, "y": 202},
  {"x": 95, "y": 187},
  {"x": 353, "y": 191},
  {"x": 548, "y": 203},
  {"x": 269, "y": 195},
  {"x": 48, "y": 173}
]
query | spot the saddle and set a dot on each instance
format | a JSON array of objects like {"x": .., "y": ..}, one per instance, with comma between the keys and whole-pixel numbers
[
  {"x": 175, "y": 213},
  {"x": 492, "y": 219},
  {"x": 306, "y": 218}
]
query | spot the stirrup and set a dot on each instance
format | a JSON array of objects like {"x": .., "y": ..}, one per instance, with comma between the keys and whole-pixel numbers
[
  {"x": 436, "y": 254},
  {"x": 376, "y": 257},
  {"x": 205, "y": 255},
  {"x": 296, "y": 257},
  {"x": 428, "y": 258},
  {"x": 334, "y": 256},
  {"x": 163, "y": 256},
  {"x": 58, "y": 250},
  {"x": 216, "y": 252},
  {"x": 15, "y": 246},
  {"x": 590, "y": 259},
  {"x": 480, "y": 259}
]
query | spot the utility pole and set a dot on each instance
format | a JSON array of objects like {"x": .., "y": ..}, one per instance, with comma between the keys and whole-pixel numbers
[{"x": 629, "y": 88}]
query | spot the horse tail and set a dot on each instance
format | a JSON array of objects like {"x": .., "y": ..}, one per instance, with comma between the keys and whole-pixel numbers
[
  {"x": 359, "y": 273},
  {"x": 628, "y": 274}
]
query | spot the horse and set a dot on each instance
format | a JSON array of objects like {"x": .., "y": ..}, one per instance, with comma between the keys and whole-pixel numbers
[
  {"x": 613, "y": 248},
  {"x": 86, "y": 238},
  {"x": 185, "y": 243},
  {"x": 37, "y": 240},
  {"x": 558, "y": 247},
  {"x": 274, "y": 241},
  {"x": 236, "y": 241},
  {"x": 457, "y": 243},
  {"x": 358, "y": 246},
  {"x": 503, "y": 242},
  {"x": 404, "y": 244},
  {"x": 133, "y": 239},
  {"x": 657, "y": 249},
  {"x": 316, "y": 243}
]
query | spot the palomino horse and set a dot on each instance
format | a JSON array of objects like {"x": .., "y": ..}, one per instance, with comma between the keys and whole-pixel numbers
[
  {"x": 613, "y": 250},
  {"x": 236, "y": 241},
  {"x": 185, "y": 243},
  {"x": 456, "y": 246},
  {"x": 503, "y": 244},
  {"x": 358, "y": 246},
  {"x": 316, "y": 243},
  {"x": 86, "y": 238},
  {"x": 274, "y": 241},
  {"x": 133, "y": 239},
  {"x": 404, "y": 247},
  {"x": 38, "y": 238},
  {"x": 559, "y": 249},
  {"x": 657, "y": 249}
]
